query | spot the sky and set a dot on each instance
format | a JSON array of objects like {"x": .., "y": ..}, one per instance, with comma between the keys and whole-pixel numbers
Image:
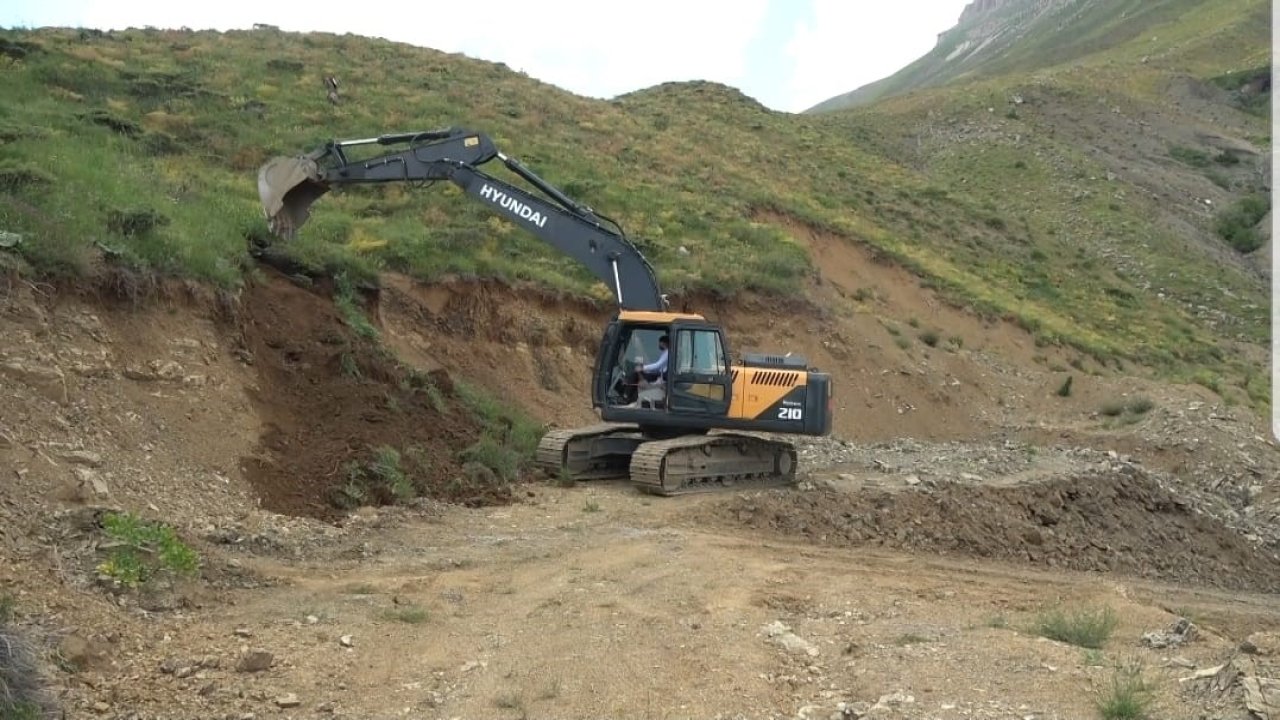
[{"x": 787, "y": 54}]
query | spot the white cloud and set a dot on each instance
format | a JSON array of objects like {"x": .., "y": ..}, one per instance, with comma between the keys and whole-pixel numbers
[
  {"x": 590, "y": 47},
  {"x": 849, "y": 44}
]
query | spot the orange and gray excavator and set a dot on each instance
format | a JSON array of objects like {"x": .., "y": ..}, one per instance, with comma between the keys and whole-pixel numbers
[{"x": 690, "y": 420}]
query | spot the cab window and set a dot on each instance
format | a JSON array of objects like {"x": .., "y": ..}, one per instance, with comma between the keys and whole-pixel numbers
[{"x": 700, "y": 352}]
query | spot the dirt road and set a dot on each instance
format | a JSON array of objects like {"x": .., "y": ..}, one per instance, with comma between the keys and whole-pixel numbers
[{"x": 599, "y": 601}]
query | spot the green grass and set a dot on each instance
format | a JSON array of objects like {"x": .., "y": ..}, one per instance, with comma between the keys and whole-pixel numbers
[
  {"x": 144, "y": 145},
  {"x": 509, "y": 439},
  {"x": 143, "y": 550},
  {"x": 1085, "y": 628},
  {"x": 1128, "y": 697},
  {"x": 409, "y": 614},
  {"x": 379, "y": 479}
]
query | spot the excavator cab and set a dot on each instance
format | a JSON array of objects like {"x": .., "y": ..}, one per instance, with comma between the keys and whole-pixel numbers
[{"x": 697, "y": 383}]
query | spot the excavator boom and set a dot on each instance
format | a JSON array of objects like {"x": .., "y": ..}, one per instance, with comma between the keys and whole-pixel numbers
[{"x": 288, "y": 186}]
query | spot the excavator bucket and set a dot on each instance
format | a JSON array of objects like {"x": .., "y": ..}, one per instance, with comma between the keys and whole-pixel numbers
[{"x": 287, "y": 187}]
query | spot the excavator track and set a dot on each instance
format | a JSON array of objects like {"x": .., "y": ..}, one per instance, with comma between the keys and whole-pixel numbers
[
  {"x": 713, "y": 462},
  {"x": 594, "y": 452}
]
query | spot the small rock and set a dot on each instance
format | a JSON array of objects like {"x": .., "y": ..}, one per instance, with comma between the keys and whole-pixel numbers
[
  {"x": 49, "y": 379},
  {"x": 896, "y": 698},
  {"x": 288, "y": 700},
  {"x": 83, "y": 652},
  {"x": 101, "y": 707},
  {"x": 789, "y": 641},
  {"x": 255, "y": 661},
  {"x": 168, "y": 370},
  {"x": 1180, "y": 632},
  {"x": 243, "y": 632},
  {"x": 82, "y": 457},
  {"x": 90, "y": 480},
  {"x": 345, "y": 640}
]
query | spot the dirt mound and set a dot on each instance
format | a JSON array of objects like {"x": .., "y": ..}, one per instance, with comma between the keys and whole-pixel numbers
[
  {"x": 1121, "y": 521},
  {"x": 344, "y": 423}
]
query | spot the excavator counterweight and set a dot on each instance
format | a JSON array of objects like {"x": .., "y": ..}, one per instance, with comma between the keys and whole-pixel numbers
[{"x": 688, "y": 421}]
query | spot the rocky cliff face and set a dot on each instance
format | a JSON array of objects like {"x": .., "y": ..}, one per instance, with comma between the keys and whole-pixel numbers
[
  {"x": 982, "y": 9},
  {"x": 989, "y": 26}
]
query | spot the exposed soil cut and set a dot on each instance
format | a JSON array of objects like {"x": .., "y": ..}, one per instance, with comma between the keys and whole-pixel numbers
[
  {"x": 1100, "y": 521},
  {"x": 329, "y": 398}
]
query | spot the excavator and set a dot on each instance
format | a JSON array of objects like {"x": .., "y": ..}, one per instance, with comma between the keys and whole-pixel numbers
[{"x": 691, "y": 421}]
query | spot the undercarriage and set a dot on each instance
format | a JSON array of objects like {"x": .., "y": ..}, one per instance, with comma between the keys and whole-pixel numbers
[{"x": 680, "y": 465}]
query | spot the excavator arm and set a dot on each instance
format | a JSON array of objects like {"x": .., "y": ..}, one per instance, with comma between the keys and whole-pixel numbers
[{"x": 288, "y": 186}]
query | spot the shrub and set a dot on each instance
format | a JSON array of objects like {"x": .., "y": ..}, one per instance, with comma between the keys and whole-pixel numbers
[
  {"x": 1238, "y": 224},
  {"x": 380, "y": 480},
  {"x": 144, "y": 550},
  {"x": 1064, "y": 390},
  {"x": 1085, "y": 628},
  {"x": 1128, "y": 698},
  {"x": 1141, "y": 405},
  {"x": 22, "y": 695}
]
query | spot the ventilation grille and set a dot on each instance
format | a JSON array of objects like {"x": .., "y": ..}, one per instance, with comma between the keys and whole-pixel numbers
[{"x": 772, "y": 378}]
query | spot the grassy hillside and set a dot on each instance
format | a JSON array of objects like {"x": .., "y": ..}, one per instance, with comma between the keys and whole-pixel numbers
[{"x": 142, "y": 147}]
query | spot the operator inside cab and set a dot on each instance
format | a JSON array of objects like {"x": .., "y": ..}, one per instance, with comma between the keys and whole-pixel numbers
[
  {"x": 645, "y": 383},
  {"x": 656, "y": 371}
]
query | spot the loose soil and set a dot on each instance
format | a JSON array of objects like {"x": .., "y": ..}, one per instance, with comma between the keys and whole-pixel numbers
[
  {"x": 1113, "y": 520},
  {"x": 329, "y": 397}
]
